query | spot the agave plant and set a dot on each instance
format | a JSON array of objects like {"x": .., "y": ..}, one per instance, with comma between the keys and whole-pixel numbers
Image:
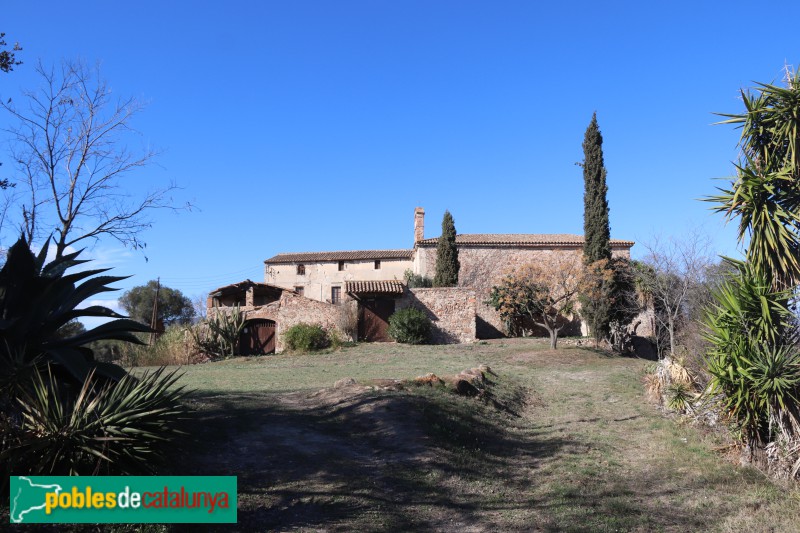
[
  {"x": 218, "y": 335},
  {"x": 62, "y": 412},
  {"x": 36, "y": 301},
  {"x": 105, "y": 427}
]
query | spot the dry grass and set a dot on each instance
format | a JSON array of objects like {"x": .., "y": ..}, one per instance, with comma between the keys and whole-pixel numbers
[{"x": 567, "y": 443}]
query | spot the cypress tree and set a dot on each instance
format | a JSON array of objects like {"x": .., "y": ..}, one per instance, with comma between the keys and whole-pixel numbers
[
  {"x": 447, "y": 264},
  {"x": 595, "y": 297},
  {"x": 596, "y": 232}
]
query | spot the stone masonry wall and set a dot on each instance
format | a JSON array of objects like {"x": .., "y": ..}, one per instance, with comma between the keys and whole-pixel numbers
[
  {"x": 290, "y": 310},
  {"x": 482, "y": 267},
  {"x": 452, "y": 311}
]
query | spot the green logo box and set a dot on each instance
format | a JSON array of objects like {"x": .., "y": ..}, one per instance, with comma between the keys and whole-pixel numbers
[{"x": 122, "y": 499}]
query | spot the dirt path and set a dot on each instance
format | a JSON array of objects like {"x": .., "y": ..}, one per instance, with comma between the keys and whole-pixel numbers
[{"x": 582, "y": 452}]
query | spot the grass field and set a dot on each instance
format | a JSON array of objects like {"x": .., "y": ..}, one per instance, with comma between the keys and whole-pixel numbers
[{"x": 567, "y": 443}]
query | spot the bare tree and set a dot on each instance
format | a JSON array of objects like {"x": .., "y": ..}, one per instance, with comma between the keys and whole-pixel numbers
[
  {"x": 674, "y": 269},
  {"x": 70, "y": 148},
  {"x": 200, "y": 304},
  {"x": 544, "y": 292}
]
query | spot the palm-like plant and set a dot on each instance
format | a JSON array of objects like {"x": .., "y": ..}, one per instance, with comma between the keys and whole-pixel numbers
[
  {"x": 754, "y": 366},
  {"x": 218, "y": 334},
  {"x": 754, "y": 360},
  {"x": 766, "y": 192}
]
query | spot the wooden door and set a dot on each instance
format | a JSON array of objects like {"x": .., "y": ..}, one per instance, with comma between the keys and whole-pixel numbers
[
  {"x": 257, "y": 337},
  {"x": 373, "y": 322}
]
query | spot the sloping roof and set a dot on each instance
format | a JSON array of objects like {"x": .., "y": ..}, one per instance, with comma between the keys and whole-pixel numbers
[
  {"x": 540, "y": 239},
  {"x": 306, "y": 257},
  {"x": 243, "y": 285},
  {"x": 374, "y": 287}
]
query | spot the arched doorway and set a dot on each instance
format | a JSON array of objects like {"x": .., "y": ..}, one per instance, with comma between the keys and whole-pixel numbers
[{"x": 257, "y": 337}]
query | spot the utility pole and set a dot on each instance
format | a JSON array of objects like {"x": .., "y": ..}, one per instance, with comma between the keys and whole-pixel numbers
[{"x": 154, "y": 316}]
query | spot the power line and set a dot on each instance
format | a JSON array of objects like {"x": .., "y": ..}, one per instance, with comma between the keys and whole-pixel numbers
[{"x": 199, "y": 279}]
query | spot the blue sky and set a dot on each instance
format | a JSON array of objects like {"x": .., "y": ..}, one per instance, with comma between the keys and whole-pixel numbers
[{"x": 306, "y": 126}]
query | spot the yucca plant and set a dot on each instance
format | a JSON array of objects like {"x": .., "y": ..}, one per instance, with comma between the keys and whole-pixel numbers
[
  {"x": 753, "y": 363},
  {"x": 104, "y": 427},
  {"x": 679, "y": 397},
  {"x": 766, "y": 192}
]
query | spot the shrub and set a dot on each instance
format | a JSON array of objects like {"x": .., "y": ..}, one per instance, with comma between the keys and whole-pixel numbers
[
  {"x": 417, "y": 280},
  {"x": 103, "y": 427},
  {"x": 304, "y": 337},
  {"x": 173, "y": 347},
  {"x": 410, "y": 326},
  {"x": 347, "y": 321}
]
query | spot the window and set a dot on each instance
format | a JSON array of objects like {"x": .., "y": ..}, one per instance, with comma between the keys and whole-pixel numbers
[
  {"x": 377, "y": 264},
  {"x": 301, "y": 270},
  {"x": 341, "y": 266},
  {"x": 336, "y": 295},
  {"x": 299, "y": 290}
]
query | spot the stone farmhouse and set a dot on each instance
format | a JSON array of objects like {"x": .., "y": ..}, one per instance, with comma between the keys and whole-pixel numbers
[{"x": 359, "y": 290}]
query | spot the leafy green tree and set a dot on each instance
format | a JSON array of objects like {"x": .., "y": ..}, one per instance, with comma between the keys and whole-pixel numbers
[
  {"x": 447, "y": 264},
  {"x": 71, "y": 329},
  {"x": 596, "y": 231},
  {"x": 173, "y": 306}
]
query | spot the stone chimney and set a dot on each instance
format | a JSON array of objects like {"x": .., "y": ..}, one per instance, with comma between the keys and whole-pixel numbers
[{"x": 419, "y": 224}]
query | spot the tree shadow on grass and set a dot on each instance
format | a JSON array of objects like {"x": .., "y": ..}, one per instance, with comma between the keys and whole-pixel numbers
[
  {"x": 425, "y": 459},
  {"x": 372, "y": 461}
]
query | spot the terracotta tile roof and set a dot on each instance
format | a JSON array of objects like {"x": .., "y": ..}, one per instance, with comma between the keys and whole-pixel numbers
[
  {"x": 374, "y": 287},
  {"x": 341, "y": 256},
  {"x": 554, "y": 239}
]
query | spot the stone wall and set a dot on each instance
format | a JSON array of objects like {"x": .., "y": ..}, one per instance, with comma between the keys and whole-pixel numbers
[
  {"x": 290, "y": 310},
  {"x": 452, "y": 311},
  {"x": 482, "y": 267}
]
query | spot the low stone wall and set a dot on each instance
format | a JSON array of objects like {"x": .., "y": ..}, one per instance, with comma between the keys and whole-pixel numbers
[
  {"x": 451, "y": 309},
  {"x": 290, "y": 310}
]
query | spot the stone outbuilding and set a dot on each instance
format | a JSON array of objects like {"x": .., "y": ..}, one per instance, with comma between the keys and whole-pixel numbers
[{"x": 270, "y": 310}]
